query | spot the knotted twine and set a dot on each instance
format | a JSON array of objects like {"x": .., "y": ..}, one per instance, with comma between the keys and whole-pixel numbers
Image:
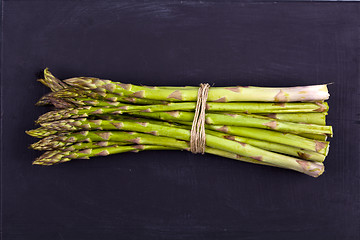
[{"x": 197, "y": 133}]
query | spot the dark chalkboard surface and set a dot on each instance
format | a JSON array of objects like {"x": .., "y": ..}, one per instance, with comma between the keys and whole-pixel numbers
[{"x": 178, "y": 195}]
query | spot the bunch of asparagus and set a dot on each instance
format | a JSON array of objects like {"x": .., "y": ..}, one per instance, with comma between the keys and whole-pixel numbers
[{"x": 280, "y": 127}]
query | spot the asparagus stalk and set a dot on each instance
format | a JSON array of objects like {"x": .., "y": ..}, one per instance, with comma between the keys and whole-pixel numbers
[
  {"x": 94, "y": 102},
  {"x": 90, "y": 145},
  {"x": 308, "y": 117},
  {"x": 51, "y": 81},
  {"x": 312, "y": 118},
  {"x": 57, "y": 156},
  {"x": 245, "y": 120},
  {"x": 41, "y": 132},
  {"x": 69, "y": 138},
  {"x": 260, "y": 134},
  {"x": 78, "y": 94},
  {"x": 307, "y": 167},
  {"x": 217, "y": 94},
  {"x": 61, "y": 141},
  {"x": 275, "y": 147},
  {"x": 251, "y": 107},
  {"x": 319, "y": 137},
  {"x": 246, "y": 107},
  {"x": 273, "y": 136},
  {"x": 312, "y": 142}
]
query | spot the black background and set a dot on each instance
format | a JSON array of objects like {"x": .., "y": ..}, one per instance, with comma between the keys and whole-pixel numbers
[{"x": 178, "y": 195}]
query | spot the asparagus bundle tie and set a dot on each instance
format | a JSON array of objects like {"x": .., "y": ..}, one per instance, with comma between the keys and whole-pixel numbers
[
  {"x": 198, "y": 135},
  {"x": 278, "y": 127}
]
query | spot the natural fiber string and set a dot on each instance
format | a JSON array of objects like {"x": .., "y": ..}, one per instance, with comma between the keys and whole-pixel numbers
[{"x": 198, "y": 137}]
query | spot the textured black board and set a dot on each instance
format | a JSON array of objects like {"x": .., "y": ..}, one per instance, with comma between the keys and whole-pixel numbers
[{"x": 178, "y": 195}]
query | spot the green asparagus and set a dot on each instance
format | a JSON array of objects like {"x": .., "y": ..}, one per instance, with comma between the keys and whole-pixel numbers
[{"x": 281, "y": 127}]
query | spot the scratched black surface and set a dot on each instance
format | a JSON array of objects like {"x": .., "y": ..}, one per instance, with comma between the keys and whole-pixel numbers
[{"x": 177, "y": 195}]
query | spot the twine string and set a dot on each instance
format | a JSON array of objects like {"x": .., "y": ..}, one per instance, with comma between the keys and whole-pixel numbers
[{"x": 198, "y": 136}]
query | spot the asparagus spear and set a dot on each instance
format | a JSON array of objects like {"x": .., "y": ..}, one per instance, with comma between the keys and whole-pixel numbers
[
  {"x": 270, "y": 136},
  {"x": 312, "y": 118},
  {"x": 251, "y": 107},
  {"x": 220, "y": 94},
  {"x": 57, "y": 156},
  {"x": 273, "y": 136},
  {"x": 245, "y": 120},
  {"x": 181, "y": 116},
  {"x": 312, "y": 142},
  {"x": 89, "y": 145},
  {"x": 41, "y": 132},
  {"x": 217, "y": 94},
  {"x": 260, "y": 134},
  {"x": 93, "y": 136},
  {"x": 51, "y": 81},
  {"x": 247, "y": 107},
  {"x": 319, "y": 137},
  {"x": 308, "y": 142},
  {"x": 78, "y": 94},
  {"x": 55, "y": 142},
  {"x": 275, "y": 147},
  {"x": 243, "y": 149}
]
